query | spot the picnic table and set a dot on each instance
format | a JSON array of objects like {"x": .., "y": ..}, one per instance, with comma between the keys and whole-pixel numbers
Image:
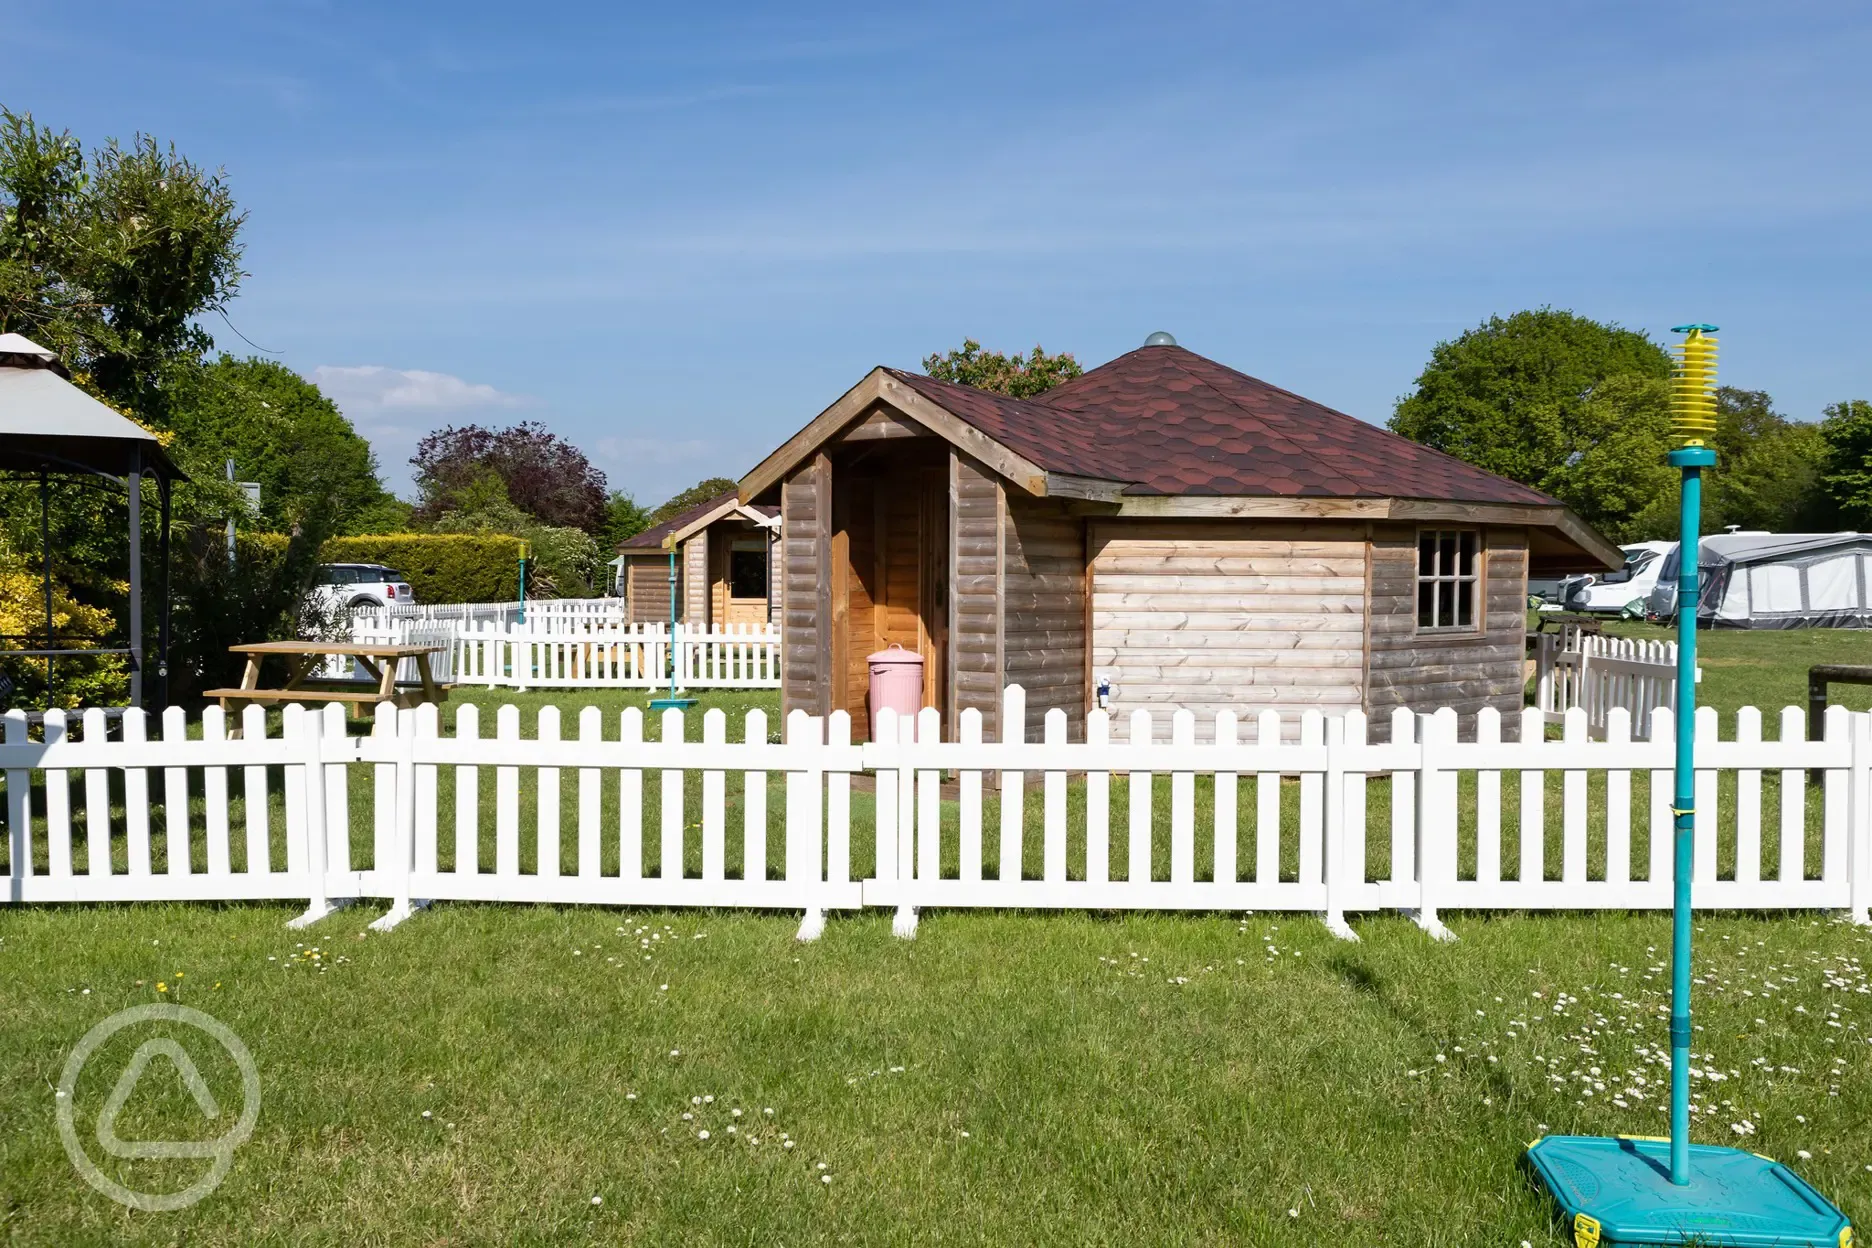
[{"x": 378, "y": 659}]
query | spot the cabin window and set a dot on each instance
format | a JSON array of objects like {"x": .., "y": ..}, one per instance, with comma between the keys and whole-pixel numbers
[
  {"x": 1448, "y": 578},
  {"x": 747, "y": 574}
]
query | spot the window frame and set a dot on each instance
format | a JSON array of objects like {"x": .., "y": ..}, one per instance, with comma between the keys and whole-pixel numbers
[
  {"x": 749, "y": 552},
  {"x": 1473, "y": 582}
]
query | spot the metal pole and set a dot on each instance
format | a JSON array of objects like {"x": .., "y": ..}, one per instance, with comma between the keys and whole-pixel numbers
[
  {"x": 162, "y": 626},
  {"x": 136, "y": 579},
  {"x": 521, "y": 587},
  {"x": 230, "y": 520},
  {"x": 672, "y": 621},
  {"x": 45, "y": 541},
  {"x": 1692, "y": 460}
]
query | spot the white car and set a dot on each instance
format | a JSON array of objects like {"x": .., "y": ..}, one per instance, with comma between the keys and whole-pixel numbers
[
  {"x": 1626, "y": 591},
  {"x": 344, "y": 587}
]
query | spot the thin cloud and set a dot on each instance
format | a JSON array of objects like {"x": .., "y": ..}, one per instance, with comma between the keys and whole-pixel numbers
[
  {"x": 394, "y": 407},
  {"x": 372, "y": 388}
]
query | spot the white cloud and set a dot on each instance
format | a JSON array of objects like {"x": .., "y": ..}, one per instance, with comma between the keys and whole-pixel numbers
[
  {"x": 395, "y": 407},
  {"x": 367, "y": 388}
]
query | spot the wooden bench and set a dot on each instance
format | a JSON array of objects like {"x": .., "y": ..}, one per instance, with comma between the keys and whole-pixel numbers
[
  {"x": 379, "y": 660},
  {"x": 233, "y": 699}
]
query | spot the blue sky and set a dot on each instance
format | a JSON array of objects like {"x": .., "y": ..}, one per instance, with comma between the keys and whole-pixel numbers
[{"x": 675, "y": 233}]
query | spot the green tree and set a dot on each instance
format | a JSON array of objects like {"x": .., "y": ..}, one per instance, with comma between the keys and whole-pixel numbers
[
  {"x": 624, "y": 518},
  {"x": 1767, "y": 473},
  {"x": 1507, "y": 395},
  {"x": 1014, "y": 375},
  {"x": 544, "y": 475},
  {"x": 112, "y": 260},
  {"x": 1621, "y": 432},
  {"x": 700, "y": 492},
  {"x": 314, "y": 471},
  {"x": 388, "y": 514},
  {"x": 1846, "y": 469},
  {"x": 562, "y": 561}
]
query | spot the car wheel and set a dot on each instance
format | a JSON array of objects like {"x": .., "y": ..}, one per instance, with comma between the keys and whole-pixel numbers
[{"x": 362, "y": 601}]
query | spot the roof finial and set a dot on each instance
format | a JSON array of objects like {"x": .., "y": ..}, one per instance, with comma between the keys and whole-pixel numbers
[{"x": 1160, "y": 339}]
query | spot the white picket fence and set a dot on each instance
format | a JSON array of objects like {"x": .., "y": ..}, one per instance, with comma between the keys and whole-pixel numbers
[
  {"x": 576, "y": 647},
  {"x": 1445, "y": 845},
  {"x": 629, "y": 656},
  {"x": 1600, "y": 674},
  {"x": 542, "y": 615}
]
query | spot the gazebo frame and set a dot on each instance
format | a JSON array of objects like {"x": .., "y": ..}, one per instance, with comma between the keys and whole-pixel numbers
[{"x": 50, "y": 428}]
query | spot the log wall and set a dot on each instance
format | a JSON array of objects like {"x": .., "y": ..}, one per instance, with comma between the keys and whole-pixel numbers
[
  {"x": 646, "y": 580},
  {"x": 696, "y": 578},
  {"x": 1426, "y": 670},
  {"x": 805, "y": 584},
  {"x": 975, "y": 648},
  {"x": 1245, "y": 616},
  {"x": 1043, "y": 602},
  {"x": 855, "y": 593}
]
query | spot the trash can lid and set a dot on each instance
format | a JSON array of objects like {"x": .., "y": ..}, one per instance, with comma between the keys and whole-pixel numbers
[{"x": 894, "y": 654}]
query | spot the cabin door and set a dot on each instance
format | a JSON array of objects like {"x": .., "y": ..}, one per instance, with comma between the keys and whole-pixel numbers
[{"x": 890, "y": 559}]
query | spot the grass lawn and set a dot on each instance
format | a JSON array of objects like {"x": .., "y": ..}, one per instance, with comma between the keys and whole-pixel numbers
[{"x": 1005, "y": 1078}]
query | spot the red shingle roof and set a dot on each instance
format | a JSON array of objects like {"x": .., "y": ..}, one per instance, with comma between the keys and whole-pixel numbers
[
  {"x": 651, "y": 539},
  {"x": 1168, "y": 421}
]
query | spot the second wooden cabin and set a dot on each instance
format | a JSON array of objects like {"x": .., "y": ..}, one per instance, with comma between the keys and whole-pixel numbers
[
  {"x": 1185, "y": 534},
  {"x": 723, "y": 560}
]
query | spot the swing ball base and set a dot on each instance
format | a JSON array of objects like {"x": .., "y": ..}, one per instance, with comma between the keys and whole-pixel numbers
[
  {"x": 1618, "y": 1191},
  {"x": 671, "y": 704}
]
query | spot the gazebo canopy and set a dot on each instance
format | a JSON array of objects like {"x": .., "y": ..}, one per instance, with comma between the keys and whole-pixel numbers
[
  {"x": 49, "y": 427},
  {"x": 47, "y": 423}
]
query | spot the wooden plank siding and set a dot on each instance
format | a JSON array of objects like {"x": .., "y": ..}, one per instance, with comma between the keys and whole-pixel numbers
[
  {"x": 1043, "y": 609},
  {"x": 805, "y": 586},
  {"x": 1427, "y": 671},
  {"x": 854, "y": 594},
  {"x": 975, "y": 635},
  {"x": 646, "y": 588},
  {"x": 695, "y": 579},
  {"x": 1245, "y": 616}
]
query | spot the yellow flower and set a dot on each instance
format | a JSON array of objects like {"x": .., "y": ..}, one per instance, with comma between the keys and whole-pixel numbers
[
  {"x": 161, "y": 987},
  {"x": 178, "y": 974}
]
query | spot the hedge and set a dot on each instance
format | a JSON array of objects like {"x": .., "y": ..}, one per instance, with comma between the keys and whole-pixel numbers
[{"x": 440, "y": 567}]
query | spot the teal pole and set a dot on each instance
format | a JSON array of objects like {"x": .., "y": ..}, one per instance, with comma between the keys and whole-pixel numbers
[
  {"x": 520, "y": 588},
  {"x": 672, "y": 623},
  {"x": 1692, "y": 460}
]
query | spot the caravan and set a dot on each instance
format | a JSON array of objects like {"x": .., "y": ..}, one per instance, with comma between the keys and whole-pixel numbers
[
  {"x": 1775, "y": 580},
  {"x": 1626, "y": 591}
]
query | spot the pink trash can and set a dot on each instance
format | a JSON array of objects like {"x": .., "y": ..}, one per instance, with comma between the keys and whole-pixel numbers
[{"x": 896, "y": 682}]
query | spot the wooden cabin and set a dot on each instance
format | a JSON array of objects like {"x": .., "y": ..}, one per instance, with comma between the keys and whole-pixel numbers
[
  {"x": 724, "y": 552},
  {"x": 1192, "y": 536}
]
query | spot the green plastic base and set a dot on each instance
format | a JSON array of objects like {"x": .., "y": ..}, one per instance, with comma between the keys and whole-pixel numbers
[
  {"x": 1618, "y": 1191},
  {"x": 664, "y": 704}
]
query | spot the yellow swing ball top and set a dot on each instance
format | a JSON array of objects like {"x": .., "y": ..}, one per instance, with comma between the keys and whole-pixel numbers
[{"x": 1693, "y": 390}]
